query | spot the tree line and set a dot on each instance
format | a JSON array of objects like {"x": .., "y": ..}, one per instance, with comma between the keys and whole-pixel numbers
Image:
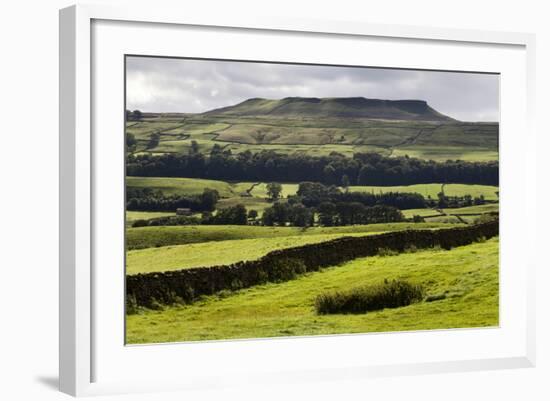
[
  {"x": 329, "y": 214},
  {"x": 334, "y": 169},
  {"x": 315, "y": 193},
  {"x": 147, "y": 199}
]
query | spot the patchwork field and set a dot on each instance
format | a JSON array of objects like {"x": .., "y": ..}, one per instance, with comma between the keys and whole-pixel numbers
[
  {"x": 195, "y": 186},
  {"x": 439, "y": 140},
  {"x": 465, "y": 277}
]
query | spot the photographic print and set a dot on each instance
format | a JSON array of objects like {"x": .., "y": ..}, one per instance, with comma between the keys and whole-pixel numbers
[{"x": 269, "y": 199}]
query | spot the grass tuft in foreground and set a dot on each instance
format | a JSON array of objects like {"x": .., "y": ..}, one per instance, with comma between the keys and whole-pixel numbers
[{"x": 389, "y": 294}]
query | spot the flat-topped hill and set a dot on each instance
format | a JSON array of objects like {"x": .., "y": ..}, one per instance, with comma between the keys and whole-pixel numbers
[{"x": 353, "y": 107}]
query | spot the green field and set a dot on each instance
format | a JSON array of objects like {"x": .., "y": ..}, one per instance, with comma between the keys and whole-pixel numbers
[
  {"x": 467, "y": 276},
  {"x": 295, "y": 133},
  {"x": 443, "y": 219},
  {"x": 184, "y": 186},
  {"x": 132, "y": 216},
  {"x": 488, "y": 191},
  {"x": 260, "y": 190},
  {"x": 410, "y": 213},
  {"x": 207, "y": 254},
  {"x": 150, "y": 237},
  {"x": 477, "y": 209},
  {"x": 444, "y": 153},
  {"x": 195, "y": 186}
]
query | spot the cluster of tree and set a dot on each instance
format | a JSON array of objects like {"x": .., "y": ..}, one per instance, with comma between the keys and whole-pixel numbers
[
  {"x": 135, "y": 115},
  {"x": 444, "y": 201},
  {"x": 334, "y": 169},
  {"x": 146, "y": 199},
  {"x": 330, "y": 214},
  {"x": 234, "y": 215},
  {"x": 274, "y": 190},
  {"x": 312, "y": 194},
  {"x": 168, "y": 221},
  {"x": 348, "y": 213},
  {"x": 131, "y": 142},
  {"x": 154, "y": 140},
  {"x": 282, "y": 213}
]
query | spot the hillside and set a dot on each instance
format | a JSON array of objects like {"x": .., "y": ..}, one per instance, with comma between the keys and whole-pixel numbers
[
  {"x": 317, "y": 127},
  {"x": 351, "y": 107}
]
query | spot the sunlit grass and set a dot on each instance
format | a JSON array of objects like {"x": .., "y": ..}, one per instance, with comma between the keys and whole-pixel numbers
[{"x": 463, "y": 282}]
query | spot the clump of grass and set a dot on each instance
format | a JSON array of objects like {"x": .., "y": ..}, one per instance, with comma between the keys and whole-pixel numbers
[{"x": 389, "y": 294}]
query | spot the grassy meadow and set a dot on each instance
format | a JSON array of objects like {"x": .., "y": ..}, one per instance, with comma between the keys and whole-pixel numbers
[
  {"x": 205, "y": 254},
  {"x": 133, "y": 216},
  {"x": 467, "y": 278},
  {"x": 163, "y": 236}
]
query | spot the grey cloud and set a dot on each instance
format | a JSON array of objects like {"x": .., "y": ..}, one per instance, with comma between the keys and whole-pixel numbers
[{"x": 186, "y": 85}]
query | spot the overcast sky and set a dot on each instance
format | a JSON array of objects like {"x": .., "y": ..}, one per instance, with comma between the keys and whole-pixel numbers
[{"x": 194, "y": 86}]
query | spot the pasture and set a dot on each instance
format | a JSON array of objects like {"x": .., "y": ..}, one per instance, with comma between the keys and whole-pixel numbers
[
  {"x": 183, "y": 186},
  {"x": 161, "y": 236},
  {"x": 317, "y": 136},
  {"x": 410, "y": 213},
  {"x": 431, "y": 190},
  {"x": 215, "y": 253},
  {"x": 195, "y": 186},
  {"x": 465, "y": 279},
  {"x": 132, "y": 216},
  {"x": 477, "y": 209}
]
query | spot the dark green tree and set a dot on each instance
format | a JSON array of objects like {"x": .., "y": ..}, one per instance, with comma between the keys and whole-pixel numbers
[
  {"x": 252, "y": 214},
  {"x": 327, "y": 214},
  {"x": 345, "y": 182},
  {"x": 209, "y": 198},
  {"x": 194, "y": 149},
  {"x": 130, "y": 142},
  {"x": 274, "y": 190}
]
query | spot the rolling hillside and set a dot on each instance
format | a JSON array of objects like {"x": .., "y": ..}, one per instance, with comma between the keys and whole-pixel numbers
[{"x": 316, "y": 126}]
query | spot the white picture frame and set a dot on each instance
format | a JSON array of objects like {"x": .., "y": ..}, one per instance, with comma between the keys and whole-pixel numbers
[{"x": 82, "y": 343}]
